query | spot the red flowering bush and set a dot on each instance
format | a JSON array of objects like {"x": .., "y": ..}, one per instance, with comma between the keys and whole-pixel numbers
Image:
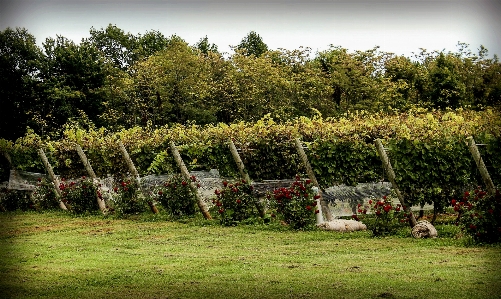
[
  {"x": 79, "y": 196},
  {"x": 176, "y": 196},
  {"x": 386, "y": 217},
  {"x": 296, "y": 205},
  {"x": 479, "y": 215},
  {"x": 235, "y": 203},
  {"x": 126, "y": 198}
]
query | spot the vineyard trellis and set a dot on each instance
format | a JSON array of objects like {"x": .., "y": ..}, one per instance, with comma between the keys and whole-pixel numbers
[{"x": 428, "y": 151}]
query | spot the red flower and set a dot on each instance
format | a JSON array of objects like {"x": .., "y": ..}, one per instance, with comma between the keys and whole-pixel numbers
[
  {"x": 221, "y": 211},
  {"x": 473, "y": 227},
  {"x": 239, "y": 201},
  {"x": 184, "y": 183},
  {"x": 316, "y": 196},
  {"x": 308, "y": 182},
  {"x": 160, "y": 193},
  {"x": 217, "y": 192},
  {"x": 317, "y": 211},
  {"x": 387, "y": 208},
  {"x": 453, "y": 202},
  {"x": 225, "y": 183},
  {"x": 308, "y": 208},
  {"x": 370, "y": 201},
  {"x": 466, "y": 194},
  {"x": 384, "y": 197}
]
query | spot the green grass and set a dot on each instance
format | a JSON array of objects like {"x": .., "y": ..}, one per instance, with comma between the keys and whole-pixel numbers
[{"x": 54, "y": 255}]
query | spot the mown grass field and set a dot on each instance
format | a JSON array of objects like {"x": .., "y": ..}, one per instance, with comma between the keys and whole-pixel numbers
[{"x": 55, "y": 255}]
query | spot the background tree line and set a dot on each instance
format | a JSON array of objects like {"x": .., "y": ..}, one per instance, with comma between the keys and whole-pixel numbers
[{"x": 119, "y": 80}]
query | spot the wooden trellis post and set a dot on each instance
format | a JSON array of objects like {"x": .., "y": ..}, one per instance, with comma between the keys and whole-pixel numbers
[
  {"x": 391, "y": 176},
  {"x": 472, "y": 146},
  {"x": 243, "y": 174},
  {"x": 136, "y": 176},
  {"x": 186, "y": 175},
  {"x": 311, "y": 175},
  {"x": 7, "y": 156},
  {"x": 53, "y": 177},
  {"x": 92, "y": 174}
]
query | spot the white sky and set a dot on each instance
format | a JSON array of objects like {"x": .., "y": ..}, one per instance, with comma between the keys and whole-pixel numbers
[{"x": 397, "y": 26}]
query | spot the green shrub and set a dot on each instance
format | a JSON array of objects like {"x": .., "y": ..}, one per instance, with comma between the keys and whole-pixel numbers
[
  {"x": 176, "y": 196},
  {"x": 44, "y": 196},
  {"x": 126, "y": 199},
  {"x": 235, "y": 203},
  {"x": 79, "y": 196}
]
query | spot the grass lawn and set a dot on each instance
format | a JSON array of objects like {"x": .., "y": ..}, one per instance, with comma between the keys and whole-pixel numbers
[{"x": 55, "y": 255}]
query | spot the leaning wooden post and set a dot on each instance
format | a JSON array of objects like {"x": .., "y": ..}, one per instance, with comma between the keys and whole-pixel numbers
[
  {"x": 480, "y": 165},
  {"x": 7, "y": 156},
  {"x": 243, "y": 174},
  {"x": 53, "y": 177},
  {"x": 311, "y": 175},
  {"x": 391, "y": 176},
  {"x": 92, "y": 174},
  {"x": 186, "y": 175},
  {"x": 241, "y": 168},
  {"x": 135, "y": 174}
]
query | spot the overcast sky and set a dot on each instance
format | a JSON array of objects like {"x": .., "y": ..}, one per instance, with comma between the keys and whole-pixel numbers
[{"x": 397, "y": 26}]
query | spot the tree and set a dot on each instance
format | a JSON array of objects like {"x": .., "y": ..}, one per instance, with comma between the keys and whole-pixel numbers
[
  {"x": 350, "y": 77},
  {"x": 253, "y": 45},
  {"x": 173, "y": 86},
  {"x": 72, "y": 77},
  {"x": 116, "y": 45},
  {"x": 19, "y": 65},
  {"x": 447, "y": 88},
  {"x": 205, "y": 47}
]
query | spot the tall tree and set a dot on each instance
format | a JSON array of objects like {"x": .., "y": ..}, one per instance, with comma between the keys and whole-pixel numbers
[
  {"x": 73, "y": 76},
  {"x": 173, "y": 86},
  {"x": 19, "y": 65},
  {"x": 116, "y": 45},
  {"x": 253, "y": 45},
  {"x": 205, "y": 47}
]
